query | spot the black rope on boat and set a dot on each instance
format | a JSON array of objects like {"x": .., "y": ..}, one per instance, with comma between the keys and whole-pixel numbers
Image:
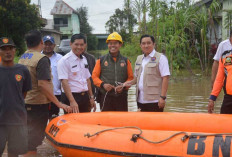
[
  {"x": 185, "y": 137},
  {"x": 194, "y": 135},
  {"x": 125, "y": 127},
  {"x": 136, "y": 136},
  {"x": 166, "y": 139}
]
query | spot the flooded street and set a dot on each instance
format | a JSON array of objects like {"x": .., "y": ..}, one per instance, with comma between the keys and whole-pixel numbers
[
  {"x": 184, "y": 95},
  {"x": 190, "y": 95}
]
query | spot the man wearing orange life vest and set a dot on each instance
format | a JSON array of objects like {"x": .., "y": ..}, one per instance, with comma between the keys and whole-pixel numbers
[
  {"x": 109, "y": 73},
  {"x": 222, "y": 47},
  {"x": 223, "y": 79}
]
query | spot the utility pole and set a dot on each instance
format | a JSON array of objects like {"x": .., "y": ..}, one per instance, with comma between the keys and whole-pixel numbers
[{"x": 39, "y": 6}]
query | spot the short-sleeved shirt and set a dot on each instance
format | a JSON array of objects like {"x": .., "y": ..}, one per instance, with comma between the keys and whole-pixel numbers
[
  {"x": 43, "y": 69},
  {"x": 75, "y": 70},
  {"x": 164, "y": 71},
  {"x": 56, "y": 82},
  {"x": 14, "y": 81},
  {"x": 223, "y": 46}
]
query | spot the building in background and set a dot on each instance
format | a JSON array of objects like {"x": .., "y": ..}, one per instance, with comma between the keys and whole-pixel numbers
[
  {"x": 49, "y": 30},
  {"x": 65, "y": 19},
  {"x": 101, "y": 41},
  {"x": 219, "y": 18}
]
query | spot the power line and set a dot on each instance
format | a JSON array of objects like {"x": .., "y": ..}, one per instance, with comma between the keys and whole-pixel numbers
[{"x": 106, "y": 12}]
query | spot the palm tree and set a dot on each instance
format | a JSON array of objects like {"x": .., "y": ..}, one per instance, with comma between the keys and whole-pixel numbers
[{"x": 228, "y": 19}]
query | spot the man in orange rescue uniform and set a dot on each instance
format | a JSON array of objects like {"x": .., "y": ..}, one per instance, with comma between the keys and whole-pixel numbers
[
  {"x": 109, "y": 73},
  {"x": 223, "y": 79}
]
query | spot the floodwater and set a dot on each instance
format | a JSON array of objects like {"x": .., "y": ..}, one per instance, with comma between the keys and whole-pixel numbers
[
  {"x": 190, "y": 95},
  {"x": 185, "y": 94}
]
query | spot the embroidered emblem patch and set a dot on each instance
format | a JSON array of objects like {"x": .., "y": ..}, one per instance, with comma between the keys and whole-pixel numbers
[
  {"x": 5, "y": 40},
  {"x": 153, "y": 59},
  {"x": 122, "y": 64},
  {"x": 106, "y": 63},
  {"x": 228, "y": 61},
  {"x": 18, "y": 77}
]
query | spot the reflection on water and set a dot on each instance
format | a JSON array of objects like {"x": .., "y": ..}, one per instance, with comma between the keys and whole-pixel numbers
[{"x": 185, "y": 95}]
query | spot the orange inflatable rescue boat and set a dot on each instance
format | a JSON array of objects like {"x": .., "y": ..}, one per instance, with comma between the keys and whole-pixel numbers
[{"x": 111, "y": 134}]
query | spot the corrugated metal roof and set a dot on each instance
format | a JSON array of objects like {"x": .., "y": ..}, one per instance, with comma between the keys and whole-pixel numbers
[{"x": 62, "y": 8}]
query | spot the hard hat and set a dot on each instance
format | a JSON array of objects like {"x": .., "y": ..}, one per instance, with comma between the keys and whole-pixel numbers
[{"x": 114, "y": 36}]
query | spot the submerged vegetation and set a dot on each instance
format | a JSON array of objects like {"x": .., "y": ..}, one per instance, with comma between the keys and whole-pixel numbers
[{"x": 182, "y": 31}]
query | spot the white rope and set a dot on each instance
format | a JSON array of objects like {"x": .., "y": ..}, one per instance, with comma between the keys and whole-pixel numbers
[{"x": 104, "y": 101}]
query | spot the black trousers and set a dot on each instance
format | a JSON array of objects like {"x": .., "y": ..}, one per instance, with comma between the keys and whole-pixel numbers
[
  {"x": 150, "y": 107},
  {"x": 53, "y": 109},
  {"x": 113, "y": 103},
  {"x": 82, "y": 100},
  {"x": 226, "y": 105},
  {"x": 37, "y": 118},
  {"x": 16, "y": 138}
]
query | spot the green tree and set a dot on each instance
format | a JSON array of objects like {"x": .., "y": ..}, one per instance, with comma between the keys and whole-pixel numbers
[
  {"x": 17, "y": 18},
  {"x": 182, "y": 30},
  {"x": 86, "y": 29},
  {"x": 123, "y": 22},
  {"x": 137, "y": 7},
  {"x": 228, "y": 19},
  {"x": 131, "y": 20}
]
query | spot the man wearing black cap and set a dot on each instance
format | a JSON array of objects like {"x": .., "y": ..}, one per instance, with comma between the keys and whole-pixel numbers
[
  {"x": 15, "y": 81},
  {"x": 48, "y": 50}
]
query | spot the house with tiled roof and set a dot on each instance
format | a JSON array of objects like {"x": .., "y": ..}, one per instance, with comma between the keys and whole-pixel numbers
[{"x": 66, "y": 19}]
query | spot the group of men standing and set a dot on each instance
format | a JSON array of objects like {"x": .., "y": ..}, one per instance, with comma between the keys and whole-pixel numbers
[
  {"x": 46, "y": 81},
  {"x": 34, "y": 90}
]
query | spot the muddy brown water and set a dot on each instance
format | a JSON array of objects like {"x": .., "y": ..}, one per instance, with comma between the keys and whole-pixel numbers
[{"x": 184, "y": 95}]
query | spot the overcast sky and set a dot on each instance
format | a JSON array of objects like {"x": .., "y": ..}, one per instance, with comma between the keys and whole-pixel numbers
[{"x": 99, "y": 11}]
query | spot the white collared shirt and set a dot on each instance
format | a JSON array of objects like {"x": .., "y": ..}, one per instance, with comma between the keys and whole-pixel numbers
[
  {"x": 56, "y": 82},
  {"x": 75, "y": 70},
  {"x": 164, "y": 71},
  {"x": 223, "y": 46}
]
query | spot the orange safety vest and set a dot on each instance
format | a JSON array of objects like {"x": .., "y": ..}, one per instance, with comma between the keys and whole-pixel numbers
[
  {"x": 224, "y": 75},
  {"x": 0, "y": 59}
]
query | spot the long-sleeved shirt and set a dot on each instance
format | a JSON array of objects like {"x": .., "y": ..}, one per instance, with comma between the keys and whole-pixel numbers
[{"x": 224, "y": 77}]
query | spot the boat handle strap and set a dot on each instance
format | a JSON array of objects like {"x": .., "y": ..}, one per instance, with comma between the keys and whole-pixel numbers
[{"x": 135, "y": 137}]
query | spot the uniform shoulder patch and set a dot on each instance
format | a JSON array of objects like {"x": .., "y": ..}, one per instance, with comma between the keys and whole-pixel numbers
[{"x": 18, "y": 77}]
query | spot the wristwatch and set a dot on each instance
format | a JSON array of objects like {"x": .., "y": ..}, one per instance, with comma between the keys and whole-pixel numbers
[
  {"x": 91, "y": 97},
  {"x": 163, "y": 97}
]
